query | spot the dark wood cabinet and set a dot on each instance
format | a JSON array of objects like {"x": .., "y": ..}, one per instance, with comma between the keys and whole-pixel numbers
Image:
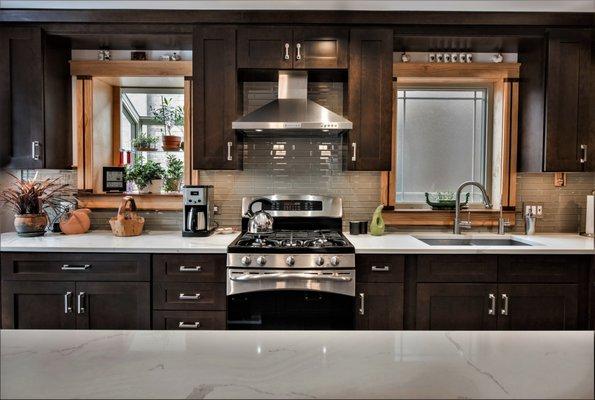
[
  {"x": 265, "y": 47},
  {"x": 379, "y": 306},
  {"x": 189, "y": 320},
  {"x": 377, "y": 268},
  {"x": 35, "y": 100},
  {"x": 323, "y": 47},
  {"x": 368, "y": 144},
  {"x": 216, "y": 146},
  {"x": 206, "y": 268},
  {"x": 457, "y": 268}
]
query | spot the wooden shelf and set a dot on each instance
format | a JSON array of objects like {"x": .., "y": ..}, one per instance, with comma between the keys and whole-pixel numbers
[
  {"x": 426, "y": 217},
  {"x": 130, "y": 68},
  {"x": 454, "y": 70},
  {"x": 149, "y": 201}
]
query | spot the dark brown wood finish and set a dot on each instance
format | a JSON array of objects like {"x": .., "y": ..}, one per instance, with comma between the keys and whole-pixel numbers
[
  {"x": 457, "y": 268},
  {"x": 370, "y": 100},
  {"x": 540, "y": 268},
  {"x": 113, "y": 305},
  {"x": 456, "y": 306},
  {"x": 190, "y": 320},
  {"x": 265, "y": 47},
  {"x": 379, "y": 306},
  {"x": 216, "y": 146},
  {"x": 199, "y": 296},
  {"x": 592, "y": 294},
  {"x": 208, "y": 268},
  {"x": 379, "y": 268},
  {"x": 321, "y": 47}
]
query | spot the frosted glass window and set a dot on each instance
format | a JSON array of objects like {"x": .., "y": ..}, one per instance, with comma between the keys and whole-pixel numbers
[{"x": 442, "y": 141}]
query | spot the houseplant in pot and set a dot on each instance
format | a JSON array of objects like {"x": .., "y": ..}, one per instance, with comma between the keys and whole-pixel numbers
[
  {"x": 174, "y": 171},
  {"x": 147, "y": 176},
  {"x": 144, "y": 142},
  {"x": 29, "y": 199},
  {"x": 169, "y": 116}
]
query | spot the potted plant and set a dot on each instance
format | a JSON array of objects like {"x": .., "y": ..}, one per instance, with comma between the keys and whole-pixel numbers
[
  {"x": 169, "y": 116},
  {"x": 144, "y": 142},
  {"x": 174, "y": 170},
  {"x": 146, "y": 176},
  {"x": 29, "y": 199}
]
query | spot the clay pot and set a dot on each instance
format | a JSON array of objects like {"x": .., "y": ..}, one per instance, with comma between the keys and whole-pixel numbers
[
  {"x": 29, "y": 225},
  {"x": 75, "y": 222},
  {"x": 171, "y": 142}
]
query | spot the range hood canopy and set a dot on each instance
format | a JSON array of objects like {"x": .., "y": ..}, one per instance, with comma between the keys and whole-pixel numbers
[{"x": 292, "y": 112}]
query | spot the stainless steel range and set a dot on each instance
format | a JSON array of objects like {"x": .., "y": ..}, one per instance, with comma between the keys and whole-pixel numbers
[{"x": 297, "y": 272}]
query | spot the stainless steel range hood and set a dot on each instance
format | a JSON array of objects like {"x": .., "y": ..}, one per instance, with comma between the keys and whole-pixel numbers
[{"x": 292, "y": 112}]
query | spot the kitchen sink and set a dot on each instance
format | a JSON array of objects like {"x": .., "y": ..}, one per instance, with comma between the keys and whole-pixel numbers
[{"x": 473, "y": 242}]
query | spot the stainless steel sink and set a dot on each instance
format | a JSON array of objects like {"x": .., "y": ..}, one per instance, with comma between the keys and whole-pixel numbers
[{"x": 473, "y": 242}]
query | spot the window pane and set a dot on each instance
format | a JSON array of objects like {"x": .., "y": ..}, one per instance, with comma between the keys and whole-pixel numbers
[{"x": 441, "y": 141}]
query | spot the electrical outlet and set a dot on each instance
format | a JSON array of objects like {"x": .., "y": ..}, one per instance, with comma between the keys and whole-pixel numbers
[
  {"x": 535, "y": 208},
  {"x": 216, "y": 210}
]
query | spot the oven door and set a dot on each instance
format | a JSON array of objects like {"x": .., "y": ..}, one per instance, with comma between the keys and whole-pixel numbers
[{"x": 290, "y": 299}]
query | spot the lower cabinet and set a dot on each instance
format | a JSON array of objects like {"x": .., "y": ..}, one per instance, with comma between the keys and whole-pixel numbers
[
  {"x": 379, "y": 306},
  {"x": 213, "y": 320}
]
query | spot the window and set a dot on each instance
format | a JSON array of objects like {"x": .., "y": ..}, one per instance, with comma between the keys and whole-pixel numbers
[{"x": 443, "y": 139}]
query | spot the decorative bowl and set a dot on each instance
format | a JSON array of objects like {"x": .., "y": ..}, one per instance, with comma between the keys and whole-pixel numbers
[{"x": 444, "y": 200}]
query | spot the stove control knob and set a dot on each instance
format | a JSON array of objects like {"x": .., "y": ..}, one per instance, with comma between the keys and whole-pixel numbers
[
  {"x": 290, "y": 261},
  {"x": 319, "y": 261},
  {"x": 261, "y": 260},
  {"x": 246, "y": 260},
  {"x": 334, "y": 261}
]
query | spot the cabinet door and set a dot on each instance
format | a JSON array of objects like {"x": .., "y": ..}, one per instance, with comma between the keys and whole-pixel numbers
[
  {"x": 321, "y": 48},
  {"x": 38, "y": 305},
  {"x": 456, "y": 306},
  {"x": 112, "y": 305},
  {"x": 215, "y": 144},
  {"x": 190, "y": 320},
  {"x": 21, "y": 94},
  {"x": 370, "y": 100},
  {"x": 379, "y": 306},
  {"x": 260, "y": 47},
  {"x": 567, "y": 100},
  {"x": 537, "y": 306}
]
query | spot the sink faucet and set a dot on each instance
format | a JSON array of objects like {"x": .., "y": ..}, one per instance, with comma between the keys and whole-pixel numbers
[{"x": 486, "y": 201}]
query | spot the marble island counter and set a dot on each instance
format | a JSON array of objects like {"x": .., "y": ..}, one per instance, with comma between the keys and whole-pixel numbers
[{"x": 290, "y": 364}]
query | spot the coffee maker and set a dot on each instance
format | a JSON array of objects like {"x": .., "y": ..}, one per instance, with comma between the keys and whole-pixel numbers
[{"x": 198, "y": 210}]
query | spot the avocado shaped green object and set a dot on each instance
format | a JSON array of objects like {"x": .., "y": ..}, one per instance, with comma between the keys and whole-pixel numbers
[{"x": 377, "y": 225}]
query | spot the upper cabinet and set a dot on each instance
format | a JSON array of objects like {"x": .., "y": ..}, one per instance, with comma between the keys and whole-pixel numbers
[
  {"x": 370, "y": 100},
  {"x": 35, "y": 108},
  {"x": 293, "y": 48}
]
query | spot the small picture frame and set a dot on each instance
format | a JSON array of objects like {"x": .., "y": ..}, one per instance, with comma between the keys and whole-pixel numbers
[
  {"x": 114, "y": 179},
  {"x": 138, "y": 56}
]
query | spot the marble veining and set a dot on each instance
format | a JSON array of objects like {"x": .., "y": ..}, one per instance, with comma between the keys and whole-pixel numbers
[{"x": 291, "y": 364}]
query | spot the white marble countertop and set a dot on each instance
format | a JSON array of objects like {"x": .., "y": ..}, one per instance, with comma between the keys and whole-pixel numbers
[
  {"x": 402, "y": 243},
  {"x": 290, "y": 364}
]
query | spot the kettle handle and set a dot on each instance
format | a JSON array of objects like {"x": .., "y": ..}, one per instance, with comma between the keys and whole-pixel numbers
[{"x": 251, "y": 212}]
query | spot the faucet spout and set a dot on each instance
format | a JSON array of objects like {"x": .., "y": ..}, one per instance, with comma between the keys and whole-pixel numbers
[{"x": 486, "y": 202}]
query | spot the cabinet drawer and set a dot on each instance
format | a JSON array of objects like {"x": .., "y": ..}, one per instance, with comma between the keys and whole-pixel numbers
[
  {"x": 379, "y": 268},
  {"x": 457, "y": 268},
  {"x": 189, "y": 320},
  {"x": 189, "y": 296},
  {"x": 76, "y": 267},
  {"x": 189, "y": 268},
  {"x": 540, "y": 268}
]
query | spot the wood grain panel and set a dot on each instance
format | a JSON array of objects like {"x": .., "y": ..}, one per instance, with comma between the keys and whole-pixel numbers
[{"x": 130, "y": 68}]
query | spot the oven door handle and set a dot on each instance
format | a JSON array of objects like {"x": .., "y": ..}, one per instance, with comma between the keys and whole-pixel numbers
[{"x": 280, "y": 275}]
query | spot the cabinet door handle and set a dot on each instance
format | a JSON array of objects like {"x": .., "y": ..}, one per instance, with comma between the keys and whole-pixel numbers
[
  {"x": 184, "y": 296},
  {"x": 504, "y": 310},
  {"x": 35, "y": 145},
  {"x": 286, "y": 51},
  {"x": 80, "y": 303},
  {"x": 196, "y": 268},
  {"x": 229, "y": 156},
  {"x": 186, "y": 325},
  {"x": 385, "y": 268},
  {"x": 492, "y": 309},
  {"x": 354, "y": 146},
  {"x": 67, "y": 302},
  {"x": 68, "y": 267},
  {"x": 584, "y": 148},
  {"x": 362, "y": 304},
  {"x": 298, "y": 55}
]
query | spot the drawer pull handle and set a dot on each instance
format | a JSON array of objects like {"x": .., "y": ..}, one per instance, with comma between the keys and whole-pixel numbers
[
  {"x": 186, "y": 325},
  {"x": 80, "y": 306},
  {"x": 385, "y": 268},
  {"x": 362, "y": 304},
  {"x": 504, "y": 310},
  {"x": 196, "y": 268},
  {"x": 67, "y": 302},
  {"x": 68, "y": 267},
  {"x": 492, "y": 309},
  {"x": 184, "y": 296}
]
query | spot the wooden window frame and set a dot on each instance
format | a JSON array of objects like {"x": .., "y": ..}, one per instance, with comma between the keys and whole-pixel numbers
[{"x": 504, "y": 79}]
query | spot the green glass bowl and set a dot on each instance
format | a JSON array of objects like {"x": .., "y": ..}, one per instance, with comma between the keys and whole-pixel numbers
[{"x": 438, "y": 201}]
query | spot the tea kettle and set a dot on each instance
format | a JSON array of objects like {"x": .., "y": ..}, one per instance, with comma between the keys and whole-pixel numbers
[{"x": 259, "y": 221}]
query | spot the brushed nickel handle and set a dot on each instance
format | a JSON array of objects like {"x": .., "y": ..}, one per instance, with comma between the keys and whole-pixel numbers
[
  {"x": 196, "y": 268},
  {"x": 298, "y": 56},
  {"x": 229, "y": 157},
  {"x": 504, "y": 310},
  {"x": 584, "y": 148},
  {"x": 185, "y": 325},
  {"x": 362, "y": 304},
  {"x": 68, "y": 267},
  {"x": 67, "y": 302},
  {"x": 492, "y": 309},
  {"x": 35, "y": 145},
  {"x": 80, "y": 303},
  {"x": 354, "y": 146},
  {"x": 286, "y": 51},
  {"x": 385, "y": 268},
  {"x": 280, "y": 275},
  {"x": 184, "y": 296}
]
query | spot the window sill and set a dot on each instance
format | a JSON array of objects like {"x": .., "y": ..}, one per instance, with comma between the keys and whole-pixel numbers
[{"x": 428, "y": 217}]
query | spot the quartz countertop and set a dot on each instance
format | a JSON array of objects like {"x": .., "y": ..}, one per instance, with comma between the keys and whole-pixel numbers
[
  {"x": 291, "y": 364},
  {"x": 401, "y": 243}
]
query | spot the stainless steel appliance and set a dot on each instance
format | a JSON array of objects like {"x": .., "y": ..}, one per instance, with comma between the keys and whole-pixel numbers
[
  {"x": 301, "y": 275},
  {"x": 198, "y": 210}
]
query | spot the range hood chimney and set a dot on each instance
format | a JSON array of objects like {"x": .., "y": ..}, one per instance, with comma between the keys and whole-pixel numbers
[{"x": 292, "y": 112}]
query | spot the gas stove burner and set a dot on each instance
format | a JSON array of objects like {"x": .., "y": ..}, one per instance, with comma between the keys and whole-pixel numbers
[{"x": 287, "y": 239}]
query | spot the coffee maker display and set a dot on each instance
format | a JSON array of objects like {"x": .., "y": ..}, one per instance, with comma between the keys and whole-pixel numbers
[{"x": 198, "y": 210}]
